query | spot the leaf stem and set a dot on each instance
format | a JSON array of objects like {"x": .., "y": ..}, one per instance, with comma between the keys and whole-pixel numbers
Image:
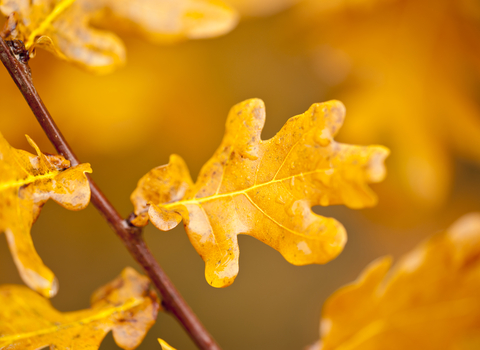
[{"x": 131, "y": 236}]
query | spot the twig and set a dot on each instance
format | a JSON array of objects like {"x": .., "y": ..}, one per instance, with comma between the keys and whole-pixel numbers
[{"x": 131, "y": 236}]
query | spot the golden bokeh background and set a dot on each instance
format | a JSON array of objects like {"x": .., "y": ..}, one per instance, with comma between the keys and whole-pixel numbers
[{"x": 175, "y": 99}]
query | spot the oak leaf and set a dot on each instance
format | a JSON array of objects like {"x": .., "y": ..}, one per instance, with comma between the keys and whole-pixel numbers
[
  {"x": 127, "y": 306},
  {"x": 264, "y": 189},
  {"x": 64, "y": 26},
  {"x": 415, "y": 68},
  {"x": 429, "y": 300},
  {"x": 27, "y": 181}
]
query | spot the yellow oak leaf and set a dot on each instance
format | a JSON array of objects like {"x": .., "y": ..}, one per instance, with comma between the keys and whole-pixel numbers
[
  {"x": 64, "y": 26},
  {"x": 429, "y": 300},
  {"x": 408, "y": 71},
  {"x": 264, "y": 189},
  {"x": 165, "y": 345},
  {"x": 27, "y": 181},
  {"x": 127, "y": 306}
]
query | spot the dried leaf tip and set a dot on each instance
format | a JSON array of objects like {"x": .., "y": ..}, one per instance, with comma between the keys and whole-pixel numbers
[{"x": 264, "y": 189}]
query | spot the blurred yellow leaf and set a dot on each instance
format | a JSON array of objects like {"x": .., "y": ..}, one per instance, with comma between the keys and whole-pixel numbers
[
  {"x": 429, "y": 300},
  {"x": 26, "y": 183},
  {"x": 408, "y": 70},
  {"x": 264, "y": 189},
  {"x": 260, "y": 8},
  {"x": 164, "y": 345},
  {"x": 127, "y": 306},
  {"x": 64, "y": 26}
]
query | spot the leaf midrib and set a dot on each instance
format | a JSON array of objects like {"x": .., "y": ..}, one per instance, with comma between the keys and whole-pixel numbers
[
  {"x": 28, "y": 180},
  {"x": 101, "y": 315},
  {"x": 239, "y": 192}
]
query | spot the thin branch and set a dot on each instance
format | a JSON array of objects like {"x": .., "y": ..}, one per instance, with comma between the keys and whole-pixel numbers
[{"x": 131, "y": 236}]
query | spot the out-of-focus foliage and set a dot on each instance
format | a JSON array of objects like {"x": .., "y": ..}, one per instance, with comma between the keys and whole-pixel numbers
[
  {"x": 264, "y": 189},
  {"x": 64, "y": 26},
  {"x": 174, "y": 99},
  {"x": 165, "y": 345},
  {"x": 408, "y": 72},
  {"x": 428, "y": 300},
  {"x": 260, "y": 8},
  {"x": 127, "y": 306},
  {"x": 27, "y": 181}
]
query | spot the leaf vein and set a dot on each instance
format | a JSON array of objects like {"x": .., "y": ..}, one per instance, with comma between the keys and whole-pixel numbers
[
  {"x": 101, "y": 315},
  {"x": 277, "y": 223},
  {"x": 235, "y": 193}
]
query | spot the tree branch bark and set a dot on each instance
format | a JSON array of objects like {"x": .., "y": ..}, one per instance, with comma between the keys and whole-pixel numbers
[{"x": 131, "y": 236}]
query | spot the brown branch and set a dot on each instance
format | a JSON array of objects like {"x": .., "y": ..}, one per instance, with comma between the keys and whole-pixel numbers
[{"x": 131, "y": 236}]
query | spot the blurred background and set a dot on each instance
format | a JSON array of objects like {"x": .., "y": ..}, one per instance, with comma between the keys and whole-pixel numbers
[{"x": 407, "y": 71}]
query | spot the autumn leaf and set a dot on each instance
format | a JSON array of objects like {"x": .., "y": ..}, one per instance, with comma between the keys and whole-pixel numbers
[
  {"x": 429, "y": 300},
  {"x": 260, "y": 8},
  {"x": 27, "y": 181},
  {"x": 127, "y": 306},
  {"x": 408, "y": 70},
  {"x": 264, "y": 189},
  {"x": 164, "y": 345},
  {"x": 64, "y": 26}
]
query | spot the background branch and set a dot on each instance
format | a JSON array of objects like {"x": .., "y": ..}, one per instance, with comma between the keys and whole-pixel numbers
[{"x": 131, "y": 236}]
